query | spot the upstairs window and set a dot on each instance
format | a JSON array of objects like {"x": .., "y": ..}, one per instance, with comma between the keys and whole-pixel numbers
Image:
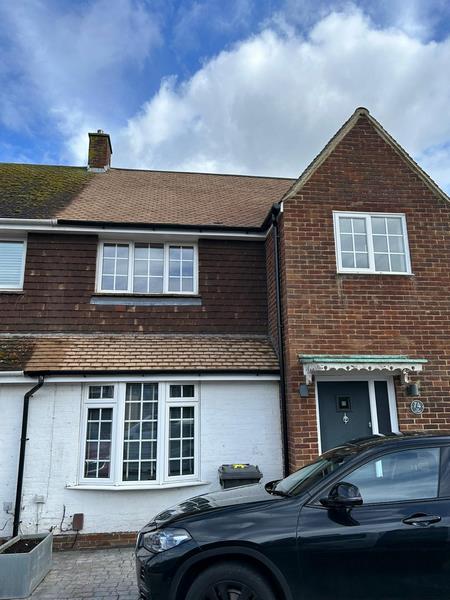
[
  {"x": 371, "y": 243},
  {"x": 12, "y": 264},
  {"x": 147, "y": 268}
]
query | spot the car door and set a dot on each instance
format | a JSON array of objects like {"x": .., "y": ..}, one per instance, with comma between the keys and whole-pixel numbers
[{"x": 395, "y": 545}]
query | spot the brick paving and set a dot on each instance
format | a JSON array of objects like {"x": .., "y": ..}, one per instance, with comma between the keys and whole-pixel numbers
[{"x": 90, "y": 575}]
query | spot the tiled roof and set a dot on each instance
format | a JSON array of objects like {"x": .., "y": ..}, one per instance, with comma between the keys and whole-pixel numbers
[
  {"x": 127, "y": 353},
  {"x": 38, "y": 191},
  {"x": 144, "y": 197}
]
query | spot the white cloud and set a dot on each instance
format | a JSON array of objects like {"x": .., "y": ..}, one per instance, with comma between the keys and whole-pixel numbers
[
  {"x": 68, "y": 64},
  {"x": 269, "y": 104}
]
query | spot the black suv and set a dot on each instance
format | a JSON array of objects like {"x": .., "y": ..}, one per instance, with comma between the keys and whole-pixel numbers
[{"x": 370, "y": 519}]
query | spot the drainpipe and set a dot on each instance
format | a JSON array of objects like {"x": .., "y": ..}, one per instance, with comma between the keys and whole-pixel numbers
[
  {"x": 23, "y": 442},
  {"x": 276, "y": 209}
]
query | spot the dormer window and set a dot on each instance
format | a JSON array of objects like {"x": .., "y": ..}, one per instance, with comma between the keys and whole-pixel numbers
[
  {"x": 371, "y": 243},
  {"x": 147, "y": 268},
  {"x": 12, "y": 264}
]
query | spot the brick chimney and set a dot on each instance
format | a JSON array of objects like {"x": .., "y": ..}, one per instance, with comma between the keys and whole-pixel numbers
[{"x": 100, "y": 150}]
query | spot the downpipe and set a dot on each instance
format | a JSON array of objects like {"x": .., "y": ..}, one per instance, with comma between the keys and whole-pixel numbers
[{"x": 23, "y": 445}]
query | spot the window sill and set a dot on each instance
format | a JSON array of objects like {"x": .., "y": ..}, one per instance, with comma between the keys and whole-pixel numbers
[
  {"x": 16, "y": 291},
  {"x": 128, "y": 488},
  {"x": 146, "y": 299},
  {"x": 356, "y": 272}
]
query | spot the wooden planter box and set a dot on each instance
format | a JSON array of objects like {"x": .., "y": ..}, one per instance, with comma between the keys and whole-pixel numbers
[{"x": 22, "y": 571}]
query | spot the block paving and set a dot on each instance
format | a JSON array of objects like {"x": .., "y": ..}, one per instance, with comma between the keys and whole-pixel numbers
[{"x": 90, "y": 575}]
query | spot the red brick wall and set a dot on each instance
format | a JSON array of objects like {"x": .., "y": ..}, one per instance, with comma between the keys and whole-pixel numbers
[
  {"x": 366, "y": 314},
  {"x": 87, "y": 541},
  {"x": 60, "y": 281}
]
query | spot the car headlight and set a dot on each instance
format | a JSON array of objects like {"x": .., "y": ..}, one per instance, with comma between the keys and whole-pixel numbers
[{"x": 164, "y": 539}]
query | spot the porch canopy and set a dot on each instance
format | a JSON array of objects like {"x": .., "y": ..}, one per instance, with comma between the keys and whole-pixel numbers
[{"x": 345, "y": 363}]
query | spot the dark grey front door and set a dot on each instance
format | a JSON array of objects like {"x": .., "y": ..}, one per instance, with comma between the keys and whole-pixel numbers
[{"x": 344, "y": 410}]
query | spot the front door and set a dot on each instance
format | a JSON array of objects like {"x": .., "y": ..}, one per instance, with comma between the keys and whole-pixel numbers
[{"x": 344, "y": 411}]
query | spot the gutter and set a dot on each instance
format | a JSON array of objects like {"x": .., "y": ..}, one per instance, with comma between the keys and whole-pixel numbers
[
  {"x": 276, "y": 209},
  {"x": 23, "y": 442},
  {"x": 46, "y": 222}
]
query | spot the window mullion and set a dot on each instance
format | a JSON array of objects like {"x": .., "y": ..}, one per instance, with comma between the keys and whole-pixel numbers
[
  {"x": 163, "y": 435},
  {"x": 119, "y": 432},
  {"x": 370, "y": 246},
  {"x": 131, "y": 267},
  {"x": 166, "y": 269}
]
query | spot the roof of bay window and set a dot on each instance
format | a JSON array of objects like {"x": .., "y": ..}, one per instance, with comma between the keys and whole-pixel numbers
[{"x": 123, "y": 353}]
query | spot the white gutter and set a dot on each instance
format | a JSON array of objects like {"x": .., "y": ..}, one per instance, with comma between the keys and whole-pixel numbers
[
  {"x": 51, "y": 225},
  {"x": 5, "y": 221},
  {"x": 11, "y": 374}
]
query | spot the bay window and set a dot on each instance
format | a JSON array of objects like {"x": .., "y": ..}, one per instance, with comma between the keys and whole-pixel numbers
[
  {"x": 147, "y": 268},
  {"x": 139, "y": 434}
]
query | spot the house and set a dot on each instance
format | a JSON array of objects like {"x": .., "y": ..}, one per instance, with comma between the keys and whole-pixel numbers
[{"x": 167, "y": 323}]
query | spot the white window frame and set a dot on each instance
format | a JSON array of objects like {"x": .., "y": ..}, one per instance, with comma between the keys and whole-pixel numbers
[
  {"x": 131, "y": 246},
  {"x": 370, "y": 250},
  {"x": 98, "y": 403},
  {"x": 117, "y": 447},
  {"x": 188, "y": 403},
  {"x": 4, "y": 288}
]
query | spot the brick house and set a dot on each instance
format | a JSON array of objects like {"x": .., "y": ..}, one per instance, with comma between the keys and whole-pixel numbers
[{"x": 178, "y": 321}]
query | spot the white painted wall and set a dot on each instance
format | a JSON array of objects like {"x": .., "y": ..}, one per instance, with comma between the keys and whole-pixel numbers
[{"x": 240, "y": 422}]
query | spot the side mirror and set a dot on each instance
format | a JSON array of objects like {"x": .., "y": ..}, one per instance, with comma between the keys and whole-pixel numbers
[
  {"x": 270, "y": 485},
  {"x": 342, "y": 495}
]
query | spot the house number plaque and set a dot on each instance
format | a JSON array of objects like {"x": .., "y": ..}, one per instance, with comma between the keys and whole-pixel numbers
[{"x": 417, "y": 407}]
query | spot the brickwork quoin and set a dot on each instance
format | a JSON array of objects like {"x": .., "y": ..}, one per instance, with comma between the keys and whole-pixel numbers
[{"x": 328, "y": 313}]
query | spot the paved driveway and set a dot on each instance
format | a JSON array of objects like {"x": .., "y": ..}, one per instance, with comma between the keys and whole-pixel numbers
[{"x": 90, "y": 574}]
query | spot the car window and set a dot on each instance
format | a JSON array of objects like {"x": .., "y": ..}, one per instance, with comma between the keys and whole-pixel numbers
[{"x": 404, "y": 475}]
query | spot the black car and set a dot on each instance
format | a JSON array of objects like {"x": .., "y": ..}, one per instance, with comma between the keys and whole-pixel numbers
[{"x": 370, "y": 519}]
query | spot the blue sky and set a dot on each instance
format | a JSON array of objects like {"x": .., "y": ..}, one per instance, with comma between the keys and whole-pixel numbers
[{"x": 240, "y": 86}]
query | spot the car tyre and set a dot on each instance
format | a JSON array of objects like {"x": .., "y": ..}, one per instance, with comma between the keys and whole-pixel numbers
[{"x": 230, "y": 581}]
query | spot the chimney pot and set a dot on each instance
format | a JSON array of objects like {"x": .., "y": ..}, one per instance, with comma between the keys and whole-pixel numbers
[{"x": 100, "y": 150}]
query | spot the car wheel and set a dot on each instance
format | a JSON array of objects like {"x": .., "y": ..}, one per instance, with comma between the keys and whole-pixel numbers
[{"x": 230, "y": 581}]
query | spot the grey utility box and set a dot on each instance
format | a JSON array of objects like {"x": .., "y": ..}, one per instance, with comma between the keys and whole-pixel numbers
[
  {"x": 231, "y": 476},
  {"x": 22, "y": 572}
]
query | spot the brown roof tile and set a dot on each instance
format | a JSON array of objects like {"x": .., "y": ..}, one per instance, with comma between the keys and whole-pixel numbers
[
  {"x": 149, "y": 353},
  {"x": 161, "y": 197},
  {"x": 142, "y": 197}
]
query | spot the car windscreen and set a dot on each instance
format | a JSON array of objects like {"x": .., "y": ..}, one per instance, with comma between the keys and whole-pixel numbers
[{"x": 310, "y": 474}]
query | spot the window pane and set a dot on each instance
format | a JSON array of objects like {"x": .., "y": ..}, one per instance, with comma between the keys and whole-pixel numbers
[
  {"x": 115, "y": 267},
  {"x": 345, "y": 225},
  {"x": 95, "y": 391},
  {"x": 181, "y": 440},
  {"x": 359, "y": 225},
  {"x": 99, "y": 441},
  {"x": 380, "y": 243},
  {"x": 148, "y": 268},
  {"x": 347, "y": 243},
  {"x": 141, "y": 420},
  {"x": 348, "y": 260},
  {"x": 175, "y": 391},
  {"x": 394, "y": 225},
  {"x": 378, "y": 225},
  {"x": 362, "y": 261},
  {"x": 381, "y": 262},
  {"x": 396, "y": 244},
  {"x": 181, "y": 269},
  {"x": 11, "y": 263},
  {"x": 107, "y": 282},
  {"x": 405, "y": 475},
  {"x": 360, "y": 243},
  {"x": 398, "y": 263}
]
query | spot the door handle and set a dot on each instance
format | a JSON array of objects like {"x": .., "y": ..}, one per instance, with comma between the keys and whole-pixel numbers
[{"x": 421, "y": 520}]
